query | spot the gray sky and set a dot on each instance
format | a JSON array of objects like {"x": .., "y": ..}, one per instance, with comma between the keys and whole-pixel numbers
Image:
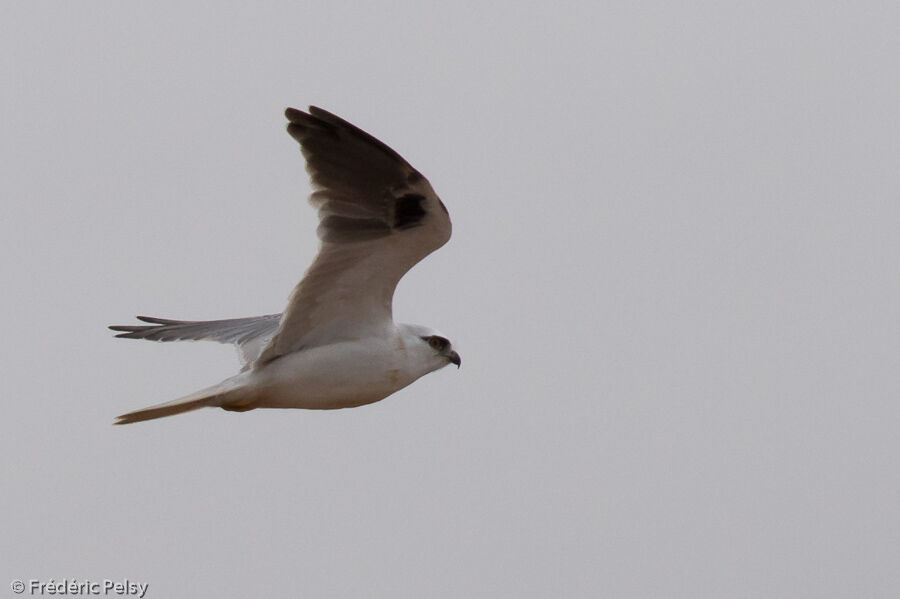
[{"x": 673, "y": 281}]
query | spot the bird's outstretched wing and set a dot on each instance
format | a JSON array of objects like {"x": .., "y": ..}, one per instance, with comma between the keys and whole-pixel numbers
[
  {"x": 250, "y": 335},
  {"x": 378, "y": 217}
]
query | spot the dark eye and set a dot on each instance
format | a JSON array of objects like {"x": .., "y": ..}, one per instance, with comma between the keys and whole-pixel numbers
[{"x": 438, "y": 343}]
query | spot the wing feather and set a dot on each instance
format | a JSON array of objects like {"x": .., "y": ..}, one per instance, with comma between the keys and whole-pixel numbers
[
  {"x": 249, "y": 334},
  {"x": 378, "y": 217}
]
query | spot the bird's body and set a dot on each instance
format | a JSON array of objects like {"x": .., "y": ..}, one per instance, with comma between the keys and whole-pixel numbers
[
  {"x": 336, "y": 345},
  {"x": 317, "y": 378}
]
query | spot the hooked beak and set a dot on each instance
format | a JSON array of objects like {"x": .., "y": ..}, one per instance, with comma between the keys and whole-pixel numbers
[{"x": 454, "y": 359}]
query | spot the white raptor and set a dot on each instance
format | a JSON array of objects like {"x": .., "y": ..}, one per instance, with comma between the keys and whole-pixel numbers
[{"x": 336, "y": 345}]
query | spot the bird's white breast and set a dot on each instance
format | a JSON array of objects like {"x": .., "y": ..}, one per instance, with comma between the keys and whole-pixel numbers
[{"x": 339, "y": 375}]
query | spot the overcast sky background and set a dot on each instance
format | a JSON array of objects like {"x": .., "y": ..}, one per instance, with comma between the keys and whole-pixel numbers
[{"x": 673, "y": 281}]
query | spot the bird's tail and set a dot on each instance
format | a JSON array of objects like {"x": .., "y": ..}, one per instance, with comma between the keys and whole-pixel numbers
[{"x": 229, "y": 391}]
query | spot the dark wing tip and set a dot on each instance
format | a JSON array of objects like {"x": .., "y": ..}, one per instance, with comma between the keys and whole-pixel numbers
[
  {"x": 155, "y": 320},
  {"x": 322, "y": 114},
  {"x": 314, "y": 111},
  {"x": 301, "y": 125},
  {"x": 138, "y": 331},
  {"x": 298, "y": 117},
  {"x": 130, "y": 331},
  {"x": 321, "y": 119}
]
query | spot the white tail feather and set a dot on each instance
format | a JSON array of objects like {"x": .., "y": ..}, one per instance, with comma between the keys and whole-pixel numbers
[{"x": 228, "y": 391}]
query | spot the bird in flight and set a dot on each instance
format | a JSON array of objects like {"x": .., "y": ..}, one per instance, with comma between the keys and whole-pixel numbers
[{"x": 336, "y": 345}]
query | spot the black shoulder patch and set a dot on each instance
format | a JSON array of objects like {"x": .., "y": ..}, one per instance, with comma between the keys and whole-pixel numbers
[{"x": 409, "y": 210}]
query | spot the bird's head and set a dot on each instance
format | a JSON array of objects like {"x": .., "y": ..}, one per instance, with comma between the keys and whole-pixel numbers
[
  {"x": 443, "y": 348},
  {"x": 433, "y": 345}
]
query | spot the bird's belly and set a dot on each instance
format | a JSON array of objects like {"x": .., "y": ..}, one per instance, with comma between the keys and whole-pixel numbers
[{"x": 342, "y": 375}]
